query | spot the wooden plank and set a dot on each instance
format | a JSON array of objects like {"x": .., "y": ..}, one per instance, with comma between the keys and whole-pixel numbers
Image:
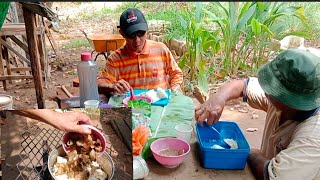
[
  {"x": 29, "y": 19},
  {"x": 16, "y": 52},
  {"x": 14, "y": 77},
  {"x": 15, "y": 29},
  {"x": 20, "y": 43},
  {"x": 24, "y": 47},
  {"x": 51, "y": 40},
  {"x": 126, "y": 133},
  {"x": 20, "y": 69}
]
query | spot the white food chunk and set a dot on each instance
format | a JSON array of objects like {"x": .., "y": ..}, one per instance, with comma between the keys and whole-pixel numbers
[
  {"x": 216, "y": 146},
  {"x": 162, "y": 93},
  {"x": 98, "y": 174},
  {"x": 61, "y": 160},
  {"x": 94, "y": 165},
  {"x": 62, "y": 177},
  {"x": 232, "y": 143},
  {"x": 152, "y": 95}
]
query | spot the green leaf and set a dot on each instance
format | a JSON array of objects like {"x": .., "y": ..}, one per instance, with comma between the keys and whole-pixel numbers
[
  {"x": 182, "y": 62},
  {"x": 198, "y": 11},
  {"x": 197, "y": 30},
  {"x": 183, "y": 22},
  {"x": 244, "y": 9},
  {"x": 246, "y": 16},
  {"x": 300, "y": 34},
  {"x": 267, "y": 30},
  {"x": 255, "y": 26},
  {"x": 202, "y": 79},
  {"x": 231, "y": 16},
  {"x": 260, "y": 6},
  {"x": 221, "y": 6},
  {"x": 208, "y": 44}
]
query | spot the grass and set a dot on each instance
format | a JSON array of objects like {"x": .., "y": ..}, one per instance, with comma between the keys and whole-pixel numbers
[
  {"x": 98, "y": 15},
  {"x": 77, "y": 43},
  {"x": 170, "y": 14}
]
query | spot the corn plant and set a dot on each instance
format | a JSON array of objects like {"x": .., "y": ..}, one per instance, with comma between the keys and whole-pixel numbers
[
  {"x": 254, "y": 25},
  {"x": 201, "y": 46},
  {"x": 264, "y": 25}
]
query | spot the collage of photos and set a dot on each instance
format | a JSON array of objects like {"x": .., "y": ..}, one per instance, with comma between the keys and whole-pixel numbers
[{"x": 159, "y": 90}]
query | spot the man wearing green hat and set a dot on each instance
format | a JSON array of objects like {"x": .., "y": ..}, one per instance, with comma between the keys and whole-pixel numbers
[{"x": 288, "y": 90}]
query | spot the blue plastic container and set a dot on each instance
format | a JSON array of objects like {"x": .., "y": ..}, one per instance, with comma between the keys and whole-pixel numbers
[{"x": 222, "y": 158}]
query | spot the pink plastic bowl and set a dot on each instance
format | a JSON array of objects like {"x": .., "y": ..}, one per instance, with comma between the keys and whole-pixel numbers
[
  {"x": 169, "y": 143},
  {"x": 125, "y": 100},
  {"x": 94, "y": 131}
]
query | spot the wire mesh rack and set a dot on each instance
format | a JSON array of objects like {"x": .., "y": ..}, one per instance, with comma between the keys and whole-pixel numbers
[{"x": 36, "y": 146}]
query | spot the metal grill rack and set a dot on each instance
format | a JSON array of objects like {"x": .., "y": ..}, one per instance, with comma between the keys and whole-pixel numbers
[{"x": 36, "y": 146}]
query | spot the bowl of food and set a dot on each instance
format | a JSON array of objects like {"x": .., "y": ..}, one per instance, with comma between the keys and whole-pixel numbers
[
  {"x": 125, "y": 100},
  {"x": 170, "y": 152},
  {"x": 71, "y": 165},
  {"x": 94, "y": 142}
]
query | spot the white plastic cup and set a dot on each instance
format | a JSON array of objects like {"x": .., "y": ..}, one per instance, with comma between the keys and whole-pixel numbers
[
  {"x": 140, "y": 168},
  {"x": 184, "y": 132},
  {"x": 91, "y": 104}
]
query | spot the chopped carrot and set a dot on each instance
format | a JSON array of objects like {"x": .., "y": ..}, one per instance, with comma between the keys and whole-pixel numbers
[{"x": 140, "y": 136}]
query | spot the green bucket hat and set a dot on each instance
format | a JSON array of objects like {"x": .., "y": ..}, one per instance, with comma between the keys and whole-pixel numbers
[{"x": 293, "y": 78}]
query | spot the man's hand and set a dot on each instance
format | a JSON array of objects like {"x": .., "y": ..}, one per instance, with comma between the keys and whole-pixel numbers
[
  {"x": 256, "y": 163},
  {"x": 121, "y": 86},
  {"x": 210, "y": 110},
  {"x": 71, "y": 122}
]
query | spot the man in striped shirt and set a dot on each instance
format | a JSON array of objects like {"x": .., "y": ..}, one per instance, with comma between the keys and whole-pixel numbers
[{"x": 140, "y": 63}]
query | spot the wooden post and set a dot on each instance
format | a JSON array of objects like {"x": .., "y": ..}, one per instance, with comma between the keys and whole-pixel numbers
[
  {"x": 4, "y": 83},
  {"x": 6, "y": 57},
  {"x": 29, "y": 19}
]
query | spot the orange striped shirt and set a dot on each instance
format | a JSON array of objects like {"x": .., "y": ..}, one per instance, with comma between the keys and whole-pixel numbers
[{"x": 154, "y": 67}]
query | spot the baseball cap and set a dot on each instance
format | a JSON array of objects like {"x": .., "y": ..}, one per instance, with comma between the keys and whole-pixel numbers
[{"x": 132, "y": 20}]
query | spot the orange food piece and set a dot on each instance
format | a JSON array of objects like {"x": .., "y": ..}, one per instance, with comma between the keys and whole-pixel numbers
[{"x": 140, "y": 136}]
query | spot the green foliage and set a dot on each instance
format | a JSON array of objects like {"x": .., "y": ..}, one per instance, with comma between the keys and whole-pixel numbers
[
  {"x": 171, "y": 15},
  {"x": 254, "y": 24},
  {"x": 98, "y": 15},
  {"x": 201, "y": 47},
  {"x": 76, "y": 43}
]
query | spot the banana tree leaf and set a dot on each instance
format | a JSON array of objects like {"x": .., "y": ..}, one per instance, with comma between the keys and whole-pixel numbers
[{"x": 180, "y": 109}]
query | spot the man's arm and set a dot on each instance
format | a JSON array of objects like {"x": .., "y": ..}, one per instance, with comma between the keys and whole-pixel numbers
[
  {"x": 257, "y": 163},
  {"x": 68, "y": 121},
  {"x": 213, "y": 107}
]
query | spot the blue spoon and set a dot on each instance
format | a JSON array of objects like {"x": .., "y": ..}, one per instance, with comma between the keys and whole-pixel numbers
[{"x": 221, "y": 141}]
